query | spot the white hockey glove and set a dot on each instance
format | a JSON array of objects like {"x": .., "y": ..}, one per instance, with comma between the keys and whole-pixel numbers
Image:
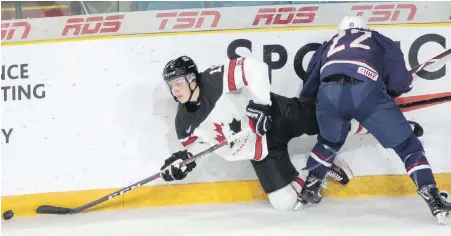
[
  {"x": 259, "y": 117},
  {"x": 171, "y": 169}
]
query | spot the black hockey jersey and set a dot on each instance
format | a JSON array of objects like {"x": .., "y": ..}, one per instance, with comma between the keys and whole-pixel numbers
[{"x": 225, "y": 91}]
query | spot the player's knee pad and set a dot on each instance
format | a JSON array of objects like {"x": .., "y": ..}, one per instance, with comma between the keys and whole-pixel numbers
[{"x": 284, "y": 199}]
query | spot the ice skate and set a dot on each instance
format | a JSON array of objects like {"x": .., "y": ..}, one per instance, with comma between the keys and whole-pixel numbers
[
  {"x": 440, "y": 208},
  {"x": 311, "y": 192}
]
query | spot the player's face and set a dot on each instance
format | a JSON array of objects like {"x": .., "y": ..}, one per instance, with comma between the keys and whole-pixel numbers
[{"x": 180, "y": 88}]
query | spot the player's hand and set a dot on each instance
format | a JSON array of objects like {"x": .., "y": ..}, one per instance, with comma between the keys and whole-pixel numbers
[
  {"x": 171, "y": 169},
  {"x": 259, "y": 117}
]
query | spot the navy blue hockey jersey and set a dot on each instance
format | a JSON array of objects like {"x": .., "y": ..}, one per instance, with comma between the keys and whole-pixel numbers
[{"x": 362, "y": 54}]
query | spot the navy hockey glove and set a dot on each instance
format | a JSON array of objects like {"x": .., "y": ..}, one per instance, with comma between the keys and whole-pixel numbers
[
  {"x": 171, "y": 171},
  {"x": 259, "y": 117}
]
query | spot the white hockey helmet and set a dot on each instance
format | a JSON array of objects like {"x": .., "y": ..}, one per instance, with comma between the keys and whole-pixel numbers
[{"x": 349, "y": 22}]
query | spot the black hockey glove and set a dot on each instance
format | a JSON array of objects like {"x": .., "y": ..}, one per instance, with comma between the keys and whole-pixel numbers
[
  {"x": 259, "y": 117},
  {"x": 394, "y": 94},
  {"x": 416, "y": 128},
  {"x": 171, "y": 171}
]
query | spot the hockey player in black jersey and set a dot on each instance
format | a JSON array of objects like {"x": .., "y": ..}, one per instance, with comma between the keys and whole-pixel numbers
[{"x": 233, "y": 102}]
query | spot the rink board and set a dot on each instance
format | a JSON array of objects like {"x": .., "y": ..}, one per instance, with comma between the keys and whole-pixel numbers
[
  {"x": 102, "y": 125},
  {"x": 220, "y": 18}
]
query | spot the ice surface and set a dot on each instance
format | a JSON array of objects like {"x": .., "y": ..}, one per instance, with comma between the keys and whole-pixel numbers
[{"x": 364, "y": 216}]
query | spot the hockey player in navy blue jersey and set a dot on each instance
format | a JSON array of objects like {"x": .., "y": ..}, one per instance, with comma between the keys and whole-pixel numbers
[{"x": 356, "y": 75}]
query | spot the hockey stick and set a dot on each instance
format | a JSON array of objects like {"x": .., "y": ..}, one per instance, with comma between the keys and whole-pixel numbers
[
  {"x": 47, "y": 209},
  {"x": 419, "y": 68}
]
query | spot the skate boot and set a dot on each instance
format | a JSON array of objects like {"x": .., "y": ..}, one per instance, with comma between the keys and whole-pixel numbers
[
  {"x": 440, "y": 208},
  {"x": 311, "y": 192},
  {"x": 338, "y": 174}
]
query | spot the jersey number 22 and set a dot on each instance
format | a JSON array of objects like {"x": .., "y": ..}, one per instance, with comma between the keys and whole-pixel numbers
[{"x": 356, "y": 43}]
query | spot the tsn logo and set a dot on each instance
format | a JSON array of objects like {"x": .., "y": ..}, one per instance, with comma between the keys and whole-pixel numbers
[
  {"x": 386, "y": 12},
  {"x": 9, "y": 30},
  {"x": 188, "y": 20}
]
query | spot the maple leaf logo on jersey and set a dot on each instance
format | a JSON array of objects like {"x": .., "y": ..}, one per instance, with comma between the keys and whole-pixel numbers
[
  {"x": 218, "y": 128},
  {"x": 235, "y": 126}
]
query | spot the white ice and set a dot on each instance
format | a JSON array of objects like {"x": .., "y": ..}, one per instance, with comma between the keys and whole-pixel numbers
[{"x": 395, "y": 216}]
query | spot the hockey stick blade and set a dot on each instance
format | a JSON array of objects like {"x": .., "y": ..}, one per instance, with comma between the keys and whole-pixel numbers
[{"x": 48, "y": 209}]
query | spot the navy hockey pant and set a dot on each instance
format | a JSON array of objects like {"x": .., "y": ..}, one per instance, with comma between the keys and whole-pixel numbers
[{"x": 338, "y": 102}]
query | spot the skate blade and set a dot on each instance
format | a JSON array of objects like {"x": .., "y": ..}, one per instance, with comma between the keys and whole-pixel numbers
[
  {"x": 304, "y": 206},
  {"x": 300, "y": 205},
  {"x": 443, "y": 218}
]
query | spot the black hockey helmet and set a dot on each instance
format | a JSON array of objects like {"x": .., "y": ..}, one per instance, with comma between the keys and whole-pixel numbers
[{"x": 181, "y": 66}]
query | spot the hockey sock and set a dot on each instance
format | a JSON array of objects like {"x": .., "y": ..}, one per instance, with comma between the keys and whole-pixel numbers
[
  {"x": 322, "y": 156},
  {"x": 417, "y": 166}
]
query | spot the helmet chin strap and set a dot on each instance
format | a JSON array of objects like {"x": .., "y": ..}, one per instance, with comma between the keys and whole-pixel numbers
[
  {"x": 191, "y": 106},
  {"x": 191, "y": 93}
]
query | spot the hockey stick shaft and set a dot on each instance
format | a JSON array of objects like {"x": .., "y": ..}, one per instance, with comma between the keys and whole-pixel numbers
[
  {"x": 431, "y": 61},
  {"x": 47, "y": 209},
  {"x": 419, "y": 69}
]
